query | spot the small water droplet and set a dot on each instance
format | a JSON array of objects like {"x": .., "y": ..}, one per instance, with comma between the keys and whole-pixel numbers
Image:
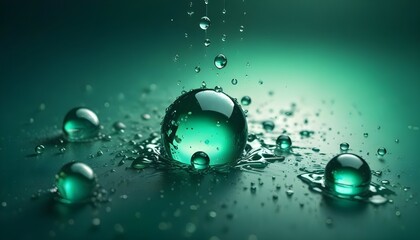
[
  {"x": 218, "y": 89},
  {"x": 284, "y": 142},
  {"x": 197, "y": 69},
  {"x": 224, "y": 37},
  {"x": 39, "y": 149},
  {"x": 220, "y": 61},
  {"x": 234, "y": 81},
  {"x": 80, "y": 124},
  {"x": 200, "y": 161},
  {"x": 344, "y": 146},
  {"x": 382, "y": 151},
  {"x": 241, "y": 28},
  {"x": 246, "y": 100},
  {"x": 365, "y": 135},
  {"x": 268, "y": 125},
  {"x": 207, "y": 42},
  {"x": 205, "y": 23},
  {"x": 118, "y": 126}
]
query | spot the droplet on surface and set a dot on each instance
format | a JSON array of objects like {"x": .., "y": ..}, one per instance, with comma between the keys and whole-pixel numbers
[
  {"x": 207, "y": 42},
  {"x": 200, "y": 161},
  {"x": 197, "y": 69},
  {"x": 205, "y": 23},
  {"x": 365, "y": 134},
  {"x": 118, "y": 126},
  {"x": 246, "y": 100},
  {"x": 344, "y": 146},
  {"x": 234, "y": 81},
  {"x": 75, "y": 183},
  {"x": 39, "y": 149},
  {"x": 268, "y": 125},
  {"x": 220, "y": 61},
  {"x": 184, "y": 134},
  {"x": 347, "y": 174},
  {"x": 80, "y": 124},
  {"x": 382, "y": 151},
  {"x": 284, "y": 142}
]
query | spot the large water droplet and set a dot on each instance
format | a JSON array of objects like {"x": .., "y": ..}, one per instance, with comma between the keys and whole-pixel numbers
[
  {"x": 347, "y": 174},
  {"x": 75, "y": 183},
  {"x": 200, "y": 161},
  {"x": 284, "y": 142},
  {"x": 204, "y": 23},
  {"x": 220, "y": 61},
  {"x": 204, "y": 120},
  {"x": 80, "y": 124}
]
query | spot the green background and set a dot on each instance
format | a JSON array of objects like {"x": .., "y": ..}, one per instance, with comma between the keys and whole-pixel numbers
[{"x": 349, "y": 66}]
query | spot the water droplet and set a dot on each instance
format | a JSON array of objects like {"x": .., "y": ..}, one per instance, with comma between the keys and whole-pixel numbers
[
  {"x": 268, "y": 125},
  {"x": 397, "y": 140},
  {"x": 200, "y": 161},
  {"x": 260, "y": 82},
  {"x": 344, "y": 146},
  {"x": 224, "y": 11},
  {"x": 241, "y": 28},
  {"x": 204, "y": 23},
  {"x": 146, "y": 116},
  {"x": 75, "y": 183},
  {"x": 224, "y": 37},
  {"x": 246, "y": 100},
  {"x": 118, "y": 126},
  {"x": 289, "y": 192},
  {"x": 381, "y": 151},
  {"x": 220, "y": 61},
  {"x": 347, "y": 174},
  {"x": 234, "y": 81},
  {"x": 39, "y": 149},
  {"x": 284, "y": 142},
  {"x": 197, "y": 69},
  {"x": 365, "y": 135},
  {"x": 207, "y": 106},
  {"x": 218, "y": 89},
  {"x": 207, "y": 42},
  {"x": 80, "y": 124}
]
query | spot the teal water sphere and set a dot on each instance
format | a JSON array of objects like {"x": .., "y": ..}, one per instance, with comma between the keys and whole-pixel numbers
[
  {"x": 200, "y": 161},
  {"x": 75, "y": 183},
  {"x": 80, "y": 124},
  {"x": 347, "y": 174},
  {"x": 204, "y": 120}
]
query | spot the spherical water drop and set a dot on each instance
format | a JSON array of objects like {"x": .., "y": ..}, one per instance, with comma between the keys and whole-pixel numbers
[
  {"x": 207, "y": 42},
  {"x": 347, "y": 174},
  {"x": 268, "y": 125},
  {"x": 200, "y": 161},
  {"x": 224, "y": 37},
  {"x": 218, "y": 89},
  {"x": 199, "y": 132},
  {"x": 241, "y": 28},
  {"x": 204, "y": 23},
  {"x": 80, "y": 124},
  {"x": 39, "y": 149},
  {"x": 220, "y": 61},
  {"x": 224, "y": 11},
  {"x": 246, "y": 100},
  {"x": 344, "y": 146},
  {"x": 197, "y": 69},
  {"x": 234, "y": 81},
  {"x": 365, "y": 134},
  {"x": 75, "y": 182},
  {"x": 381, "y": 151},
  {"x": 284, "y": 142}
]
